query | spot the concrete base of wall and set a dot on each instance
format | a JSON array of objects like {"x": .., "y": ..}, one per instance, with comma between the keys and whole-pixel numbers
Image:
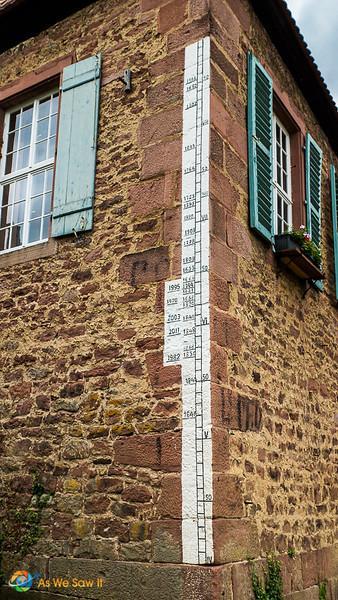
[{"x": 107, "y": 580}]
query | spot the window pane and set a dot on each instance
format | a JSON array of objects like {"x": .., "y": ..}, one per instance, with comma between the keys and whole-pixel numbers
[
  {"x": 34, "y": 231},
  {"x": 45, "y": 227},
  {"x": 27, "y": 115},
  {"x": 5, "y": 195},
  {"x": 6, "y": 216},
  {"x": 17, "y": 235},
  {"x": 24, "y": 153},
  {"x": 4, "y": 239},
  {"x": 286, "y": 212},
  {"x": 20, "y": 189},
  {"x": 55, "y": 104},
  {"x": 48, "y": 202},
  {"x": 42, "y": 130},
  {"x": 51, "y": 147},
  {"x": 23, "y": 159},
  {"x": 18, "y": 212},
  {"x": 53, "y": 121},
  {"x": 283, "y": 141},
  {"x": 37, "y": 183},
  {"x": 279, "y": 178},
  {"x": 10, "y": 163},
  {"x": 49, "y": 180},
  {"x": 277, "y": 132},
  {"x": 278, "y": 154},
  {"x": 36, "y": 207},
  {"x": 285, "y": 183},
  {"x": 40, "y": 151},
  {"x": 14, "y": 120},
  {"x": 44, "y": 106},
  {"x": 25, "y": 137},
  {"x": 13, "y": 141}
]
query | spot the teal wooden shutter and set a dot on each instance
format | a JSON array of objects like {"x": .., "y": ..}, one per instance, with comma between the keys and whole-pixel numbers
[
  {"x": 260, "y": 148},
  {"x": 334, "y": 192},
  {"x": 313, "y": 164},
  {"x": 76, "y": 149}
]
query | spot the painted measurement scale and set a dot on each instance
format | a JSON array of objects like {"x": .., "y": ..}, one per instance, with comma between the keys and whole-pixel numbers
[{"x": 187, "y": 313}]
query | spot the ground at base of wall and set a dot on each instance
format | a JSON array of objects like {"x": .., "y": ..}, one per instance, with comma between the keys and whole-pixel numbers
[{"x": 64, "y": 579}]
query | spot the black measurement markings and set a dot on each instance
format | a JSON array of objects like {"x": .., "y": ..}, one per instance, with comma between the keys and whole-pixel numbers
[{"x": 198, "y": 352}]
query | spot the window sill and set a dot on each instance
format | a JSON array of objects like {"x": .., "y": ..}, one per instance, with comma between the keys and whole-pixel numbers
[
  {"x": 29, "y": 253},
  {"x": 295, "y": 259}
]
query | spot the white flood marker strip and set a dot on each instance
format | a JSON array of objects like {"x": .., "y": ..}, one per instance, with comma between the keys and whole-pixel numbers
[{"x": 187, "y": 312}]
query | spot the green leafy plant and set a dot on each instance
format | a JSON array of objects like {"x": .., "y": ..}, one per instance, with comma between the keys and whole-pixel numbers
[
  {"x": 322, "y": 590},
  {"x": 291, "y": 552},
  {"x": 21, "y": 529},
  {"x": 271, "y": 586},
  {"x": 303, "y": 239}
]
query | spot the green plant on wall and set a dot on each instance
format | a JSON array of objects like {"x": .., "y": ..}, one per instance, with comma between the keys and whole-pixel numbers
[
  {"x": 21, "y": 529},
  {"x": 271, "y": 586},
  {"x": 303, "y": 238},
  {"x": 322, "y": 590}
]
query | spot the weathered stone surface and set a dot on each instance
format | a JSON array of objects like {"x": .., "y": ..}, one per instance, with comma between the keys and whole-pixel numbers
[
  {"x": 126, "y": 581},
  {"x": 311, "y": 593},
  {"x": 166, "y": 540},
  {"x": 235, "y": 539},
  {"x": 85, "y": 399}
]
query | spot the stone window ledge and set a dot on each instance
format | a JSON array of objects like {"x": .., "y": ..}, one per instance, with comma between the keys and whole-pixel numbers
[{"x": 17, "y": 257}]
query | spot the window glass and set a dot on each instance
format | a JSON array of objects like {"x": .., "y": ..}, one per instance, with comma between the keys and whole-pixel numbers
[
  {"x": 281, "y": 178},
  {"x": 27, "y": 172}
]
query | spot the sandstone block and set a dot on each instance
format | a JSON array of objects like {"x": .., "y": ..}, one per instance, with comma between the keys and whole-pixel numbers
[
  {"x": 223, "y": 261},
  {"x": 235, "y": 539},
  {"x": 227, "y": 496},
  {"x": 226, "y": 330},
  {"x": 160, "y": 125},
  {"x": 159, "y": 375},
  {"x": 155, "y": 451},
  {"x": 136, "y": 493},
  {"x": 218, "y": 220},
  {"x": 167, "y": 541},
  {"x": 188, "y": 34},
  {"x": 165, "y": 93},
  {"x": 147, "y": 197},
  {"x": 169, "y": 64},
  {"x": 145, "y": 267},
  {"x": 161, "y": 158},
  {"x": 171, "y": 15},
  {"x": 230, "y": 130},
  {"x": 224, "y": 64},
  {"x": 169, "y": 504}
]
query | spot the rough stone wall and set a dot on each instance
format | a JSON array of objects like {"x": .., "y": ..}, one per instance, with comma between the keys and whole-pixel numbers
[
  {"x": 85, "y": 399},
  {"x": 274, "y": 352}
]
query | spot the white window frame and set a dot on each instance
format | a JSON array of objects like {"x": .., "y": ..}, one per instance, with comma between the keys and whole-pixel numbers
[
  {"x": 277, "y": 188},
  {"x": 30, "y": 170}
]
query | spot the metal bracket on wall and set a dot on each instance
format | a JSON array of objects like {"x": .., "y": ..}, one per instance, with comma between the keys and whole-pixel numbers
[
  {"x": 126, "y": 79},
  {"x": 307, "y": 288}
]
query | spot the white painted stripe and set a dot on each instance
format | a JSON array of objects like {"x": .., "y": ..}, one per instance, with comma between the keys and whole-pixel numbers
[{"x": 187, "y": 311}]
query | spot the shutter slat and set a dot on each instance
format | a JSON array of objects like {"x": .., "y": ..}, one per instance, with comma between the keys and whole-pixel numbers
[
  {"x": 260, "y": 148},
  {"x": 334, "y": 198},
  {"x": 76, "y": 150},
  {"x": 313, "y": 161}
]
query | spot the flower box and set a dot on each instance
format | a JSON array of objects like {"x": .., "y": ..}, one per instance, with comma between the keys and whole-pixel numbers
[{"x": 294, "y": 257}]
